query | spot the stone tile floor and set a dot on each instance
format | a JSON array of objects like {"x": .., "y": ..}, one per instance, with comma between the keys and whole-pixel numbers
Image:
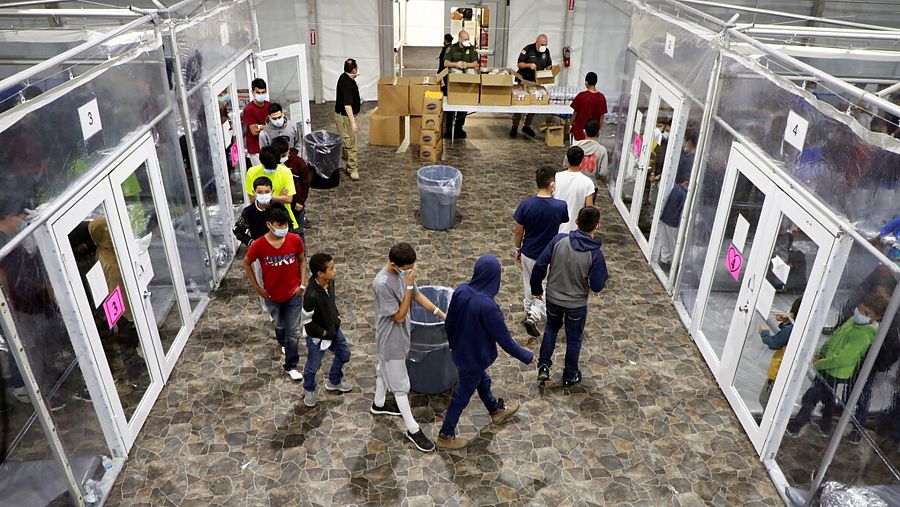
[{"x": 648, "y": 426}]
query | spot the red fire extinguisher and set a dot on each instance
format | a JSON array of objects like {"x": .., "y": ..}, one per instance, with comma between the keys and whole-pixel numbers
[
  {"x": 483, "y": 43},
  {"x": 483, "y": 61},
  {"x": 567, "y": 56}
]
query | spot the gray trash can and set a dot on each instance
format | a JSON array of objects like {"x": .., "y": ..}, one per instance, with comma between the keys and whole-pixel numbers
[
  {"x": 439, "y": 187},
  {"x": 323, "y": 154},
  {"x": 429, "y": 363}
]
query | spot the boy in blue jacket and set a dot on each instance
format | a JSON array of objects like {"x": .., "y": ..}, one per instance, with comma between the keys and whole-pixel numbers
[
  {"x": 576, "y": 267},
  {"x": 474, "y": 328}
]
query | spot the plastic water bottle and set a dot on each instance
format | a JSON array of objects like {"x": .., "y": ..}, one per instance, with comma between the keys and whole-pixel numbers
[{"x": 107, "y": 464}]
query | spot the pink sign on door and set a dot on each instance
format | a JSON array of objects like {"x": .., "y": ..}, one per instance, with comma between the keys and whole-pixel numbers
[
  {"x": 114, "y": 307},
  {"x": 636, "y": 144},
  {"x": 734, "y": 262}
]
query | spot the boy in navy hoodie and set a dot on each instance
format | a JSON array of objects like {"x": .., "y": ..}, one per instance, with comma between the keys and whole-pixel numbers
[
  {"x": 576, "y": 266},
  {"x": 474, "y": 328}
]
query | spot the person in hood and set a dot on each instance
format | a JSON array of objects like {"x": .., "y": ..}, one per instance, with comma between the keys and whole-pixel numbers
[
  {"x": 837, "y": 361},
  {"x": 577, "y": 267},
  {"x": 474, "y": 328},
  {"x": 278, "y": 125}
]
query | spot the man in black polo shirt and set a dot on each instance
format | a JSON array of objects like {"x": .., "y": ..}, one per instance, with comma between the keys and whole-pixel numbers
[
  {"x": 346, "y": 107},
  {"x": 533, "y": 57}
]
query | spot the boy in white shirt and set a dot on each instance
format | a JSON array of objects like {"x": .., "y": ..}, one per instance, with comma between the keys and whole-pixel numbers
[{"x": 573, "y": 187}]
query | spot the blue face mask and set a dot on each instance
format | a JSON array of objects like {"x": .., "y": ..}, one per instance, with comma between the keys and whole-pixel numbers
[
  {"x": 263, "y": 198},
  {"x": 269, "y": 171},
  {"x": 280, "y": 232},
  {"x": 261, "y": 97},
  {"x": 283, "y": 159},
  {"x": 860, "y": 318}
]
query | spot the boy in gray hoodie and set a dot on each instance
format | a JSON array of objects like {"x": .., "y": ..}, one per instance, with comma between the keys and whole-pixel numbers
[
  {"x": 576, "y": 267},
  {"x": 277, "y": 125}
]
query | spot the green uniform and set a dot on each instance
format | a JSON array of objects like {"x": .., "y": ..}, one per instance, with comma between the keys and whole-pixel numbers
[{"x": 457, "y": 53}]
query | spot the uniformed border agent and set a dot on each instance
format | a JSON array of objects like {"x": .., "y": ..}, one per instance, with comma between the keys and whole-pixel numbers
[
  {"x": 534, "y": 57},
  {"x": 461, "y": 55}
]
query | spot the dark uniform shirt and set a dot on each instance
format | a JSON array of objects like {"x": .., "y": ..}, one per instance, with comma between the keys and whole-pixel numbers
[
  {"x": 346, "y": 94},
  {"x": 530, "y": 54},
  {"x": 457, "y": 53}
]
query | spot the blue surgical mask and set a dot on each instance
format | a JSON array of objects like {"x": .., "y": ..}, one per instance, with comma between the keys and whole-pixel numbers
[
  {"x": 280, "y": 232},
  {"x": 860, "y": 318},
  {"x": 269, "y": 171},
  {"x": 260, "y": 97},
  {"x": 283, "y": 159},
  {"x": 278, "y": 123},
  {"x": 263, "y": 198}
]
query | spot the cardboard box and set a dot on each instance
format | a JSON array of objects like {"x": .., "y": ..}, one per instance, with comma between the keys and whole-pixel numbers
[
  {"x": 429, "y": 137},
  {"x": 386, "y": 130},
  {"x": 538, "y": 95},
  {"x": 431, "y": 153},
  {"x": 520, "y": 96},
  {"x": 415, "y": 127},
  {"x": 432, "y": 122},
  {"x": 496, "y": 89},
  {"x": 555, "y": 135},
  {"x": 393, "y": 96},
  {"x": 417, "y": 88},
  {"x": 463, "y": 89},
  {"x": 546, "y": 76},
  {"x": 433, "y": 103},
  {"x": 485, "y": 17}
]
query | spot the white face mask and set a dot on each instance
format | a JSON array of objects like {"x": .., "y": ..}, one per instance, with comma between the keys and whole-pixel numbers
[
  {"x": 263, "y": 198},
  {"x": 261, "y": 97},
  {"x": 278, "y": 123},
  {"x": 269, "y": 171},
  {"x": 283, "y": 159},
  {"x": 542, "y": 49},
  {"x": 466, "y": 44}
]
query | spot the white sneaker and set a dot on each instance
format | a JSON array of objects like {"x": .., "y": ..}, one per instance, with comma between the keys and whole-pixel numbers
[
  {"x": 309, "y": 399},
  {"x": 295, "y": 375},
  {"x": 282, "y": 351},
  {"x": 324, "y": 344}
]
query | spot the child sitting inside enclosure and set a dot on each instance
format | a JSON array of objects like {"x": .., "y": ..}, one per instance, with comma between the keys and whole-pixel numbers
[
  {"x": 837, "y": 361},
  {"x": 777, "y": 342}
]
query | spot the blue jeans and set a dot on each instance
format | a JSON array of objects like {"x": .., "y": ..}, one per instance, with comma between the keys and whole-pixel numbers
[
  {"x": 469, "y": 381},
  {"x": 314, "y": 361},
  {"x": 299, "y": 215},
  {"x": 574, "y": 320},
  {"x": 286, "y": 317}
]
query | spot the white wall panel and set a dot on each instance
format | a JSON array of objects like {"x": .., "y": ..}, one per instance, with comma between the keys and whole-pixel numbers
[
  {"x": 424, "y": 22},
  {"x": 349, "y": 33}
]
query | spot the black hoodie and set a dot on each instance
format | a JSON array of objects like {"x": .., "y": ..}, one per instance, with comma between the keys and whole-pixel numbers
[{"x": 326, "y": 320}]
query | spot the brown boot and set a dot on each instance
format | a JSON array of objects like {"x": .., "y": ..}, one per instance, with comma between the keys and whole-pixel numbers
[
  {"x": 504, "y": 411},
  {"x": 450, "y": 443}
]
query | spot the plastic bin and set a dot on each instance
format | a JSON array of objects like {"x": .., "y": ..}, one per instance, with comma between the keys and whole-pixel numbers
[
  {"x": 429, "y": 363},
  {"x": 439, "y": 188},
  {"x": 323, "y": 154}
]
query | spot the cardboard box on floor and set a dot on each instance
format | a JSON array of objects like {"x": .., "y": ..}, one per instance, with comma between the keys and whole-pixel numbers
[
  {"x": 386, "y": 130},
  {"x": 496, "y": 89},
  {"x": 393, "y": 96},
  {"x": 546, "y": 76},
  {"x": 463, "y": 89},
  {"x": 432, "y": 122},
  {"x": 429, "y": 137},
  {"x": 555, "y": 135},
  {"x": 417, "y": 88},
  {"x": 415, "y": 128},
  {"x": 431, "y": 153}
]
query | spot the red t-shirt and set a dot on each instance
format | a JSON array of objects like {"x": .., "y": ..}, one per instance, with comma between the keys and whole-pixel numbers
[
  {"x": 589, "y": 106},
  {"x": 253, "y": 115},
  {"x": 280, "y": 271}
]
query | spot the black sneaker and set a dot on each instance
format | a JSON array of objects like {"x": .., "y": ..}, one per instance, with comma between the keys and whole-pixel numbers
[
  {"x": 543, "y": 373},
  {"x": 420, "y": 441},
  {"x": 514, "y": 132},
  {"x": 794, "y": 427},
  {"x": 390, "y": 408},
  {"x": 855, "y": 437},
  {"x": 528, "y": 131},
  {"x": 531, "y": 327},
  {"x": 572, "y": 381},
  {"x": 825, "y": 426}
]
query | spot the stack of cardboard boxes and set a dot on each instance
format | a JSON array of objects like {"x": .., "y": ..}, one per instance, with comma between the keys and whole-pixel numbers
[
  {"x": 387, "y": 125},
  {"x": 431, "y": 146}
]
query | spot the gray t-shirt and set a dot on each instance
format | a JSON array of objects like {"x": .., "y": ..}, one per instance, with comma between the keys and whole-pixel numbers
[{"x": 391, "y": 338}]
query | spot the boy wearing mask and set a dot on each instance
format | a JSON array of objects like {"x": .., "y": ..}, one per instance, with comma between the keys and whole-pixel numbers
[
  {"x": 837, "y": 361},
  {"x": 323, "y": 330},
  {"x": 278, "y": 125},
  {"x": 537, "y": 221},
  {"x": 474, "y": 328},
  {"x": 253, "y": 117},
  {"x": 576, "y": 268},
  {"x": 283, "y": 189},
  {"x": 280, "y": 255},
  {"x": 300, "y": 172},
  {"x": 252, "y": 224},
  {"x": 395, "y": 289}
]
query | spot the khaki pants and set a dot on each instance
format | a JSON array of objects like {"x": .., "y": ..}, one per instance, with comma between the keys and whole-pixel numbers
[{"x": 348, "y": 142}]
